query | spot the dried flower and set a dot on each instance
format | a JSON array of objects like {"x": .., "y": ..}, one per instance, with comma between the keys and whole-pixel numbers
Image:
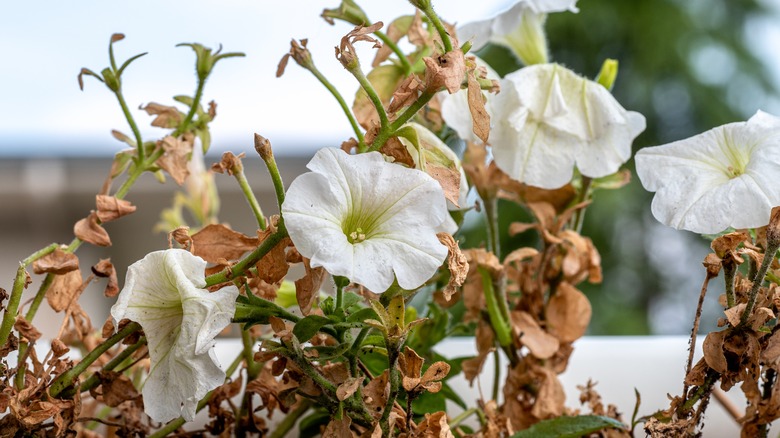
[
  {"x": 363, "y": 218},
  {"x": 455, "y": 107},
  {"x": 549, "y": 119},
  {"x": 519, "y": 28},
  {"x": 725, "y": 177},
  {"x": 164, "y": 292}
]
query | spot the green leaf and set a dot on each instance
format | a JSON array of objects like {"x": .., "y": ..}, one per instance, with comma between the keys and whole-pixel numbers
[
  {"x": 450, "y": 394},
  {"x": 327, "y": 353},
  {"x": 309, "y": 326},
  {"x": 569, "y": 427},
  {"x": 428, "y": 403},
  {"x": 349, "y": 299},
  {"x": 310, "y": 425},
  {"x": 362, "y": 315}
]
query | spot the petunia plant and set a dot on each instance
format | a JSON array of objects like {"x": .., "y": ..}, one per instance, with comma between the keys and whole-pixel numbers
[{"x": 388, "y": 245}]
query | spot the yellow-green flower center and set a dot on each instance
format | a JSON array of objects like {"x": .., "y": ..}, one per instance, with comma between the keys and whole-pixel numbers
[
  {"x": 359, "y": 225},
  {"x": 738, "y": 156}
]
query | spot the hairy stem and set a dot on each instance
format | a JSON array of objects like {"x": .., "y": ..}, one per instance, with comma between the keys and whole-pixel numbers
[
  {"x": 344, "y": 107},
  {"x": 758, "y": 280},
  {"x": 93, "y": 380},
  {"x": 139, "y": 143},
  {"x": 250, "y": 197},
  {"x": 694, "y": 332},
  {"x": 357, "y": 72}
]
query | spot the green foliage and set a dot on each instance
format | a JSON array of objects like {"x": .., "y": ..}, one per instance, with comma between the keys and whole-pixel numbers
[{"x": 569, "y": 427}]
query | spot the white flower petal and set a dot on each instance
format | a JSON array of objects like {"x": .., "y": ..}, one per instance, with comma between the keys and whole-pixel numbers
[
  {"x": 549, "y": 119},
  {"x": 380, "y": 199},
  {"x": 725, "y": 177},
  {"x": 164, "y": 293}
]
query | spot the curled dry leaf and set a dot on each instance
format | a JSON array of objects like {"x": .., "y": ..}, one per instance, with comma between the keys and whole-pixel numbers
[
  {"x": 435, "y": 426},
  {"x": 176, "y": 156},
  {"x": 26, "y": 329},
  {"x": 541, "y": 344},
  {"x": 217, "y": 241},
  {"x": 58, "y": 262},
  {"x": 410, "y": 364},
  {"x": 110, "y": 208},
  {"x": 180, "y": 235},
  {"x": 568, "y": 313},
  {"x": 346, "y": 54},
  {"x": 394, "y": 149},
  {"x": 105, "y": 269},
  {"x": 346, "y": 389},
  {"x": 115, "y": 388},
  {"x": 457, "y": 264},
  {"x": 447, "y": 71},
  {"x": 63, "y": 289},
  {"x": 338, "y": 428},
  {"x": 734, "y": 314},
  {"x": 307, "y": 287},
  {"x": 713, "y": 351},
  {"x": 375, "y": 393},
  {"x": 59, "y": 348},
  {"x": 479, "y": 115},
  {"x": 230, "y": 163},
  {"x": 551, "y": 397},
  {"x": 90, "y": 231},
  {"x": 167, "y": 116},
  {"x": 728, "y": 242},
  {"x": 405, "y": 94},
  {"x": 448, "y": 178}
]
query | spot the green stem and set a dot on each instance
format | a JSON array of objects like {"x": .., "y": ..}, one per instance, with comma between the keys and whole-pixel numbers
[
  {"x": 579, "y": 215},
  {"x": 38, "y": 299},
  {"x": 65, "y": 380},
  {"x": 344, "y": 107},
  {"x": 394, "y": 47},
  {"x": 93, "y": 380},
  {"x": 193, "y": 109},
  {"x": 284, "y": 426},
  {"x": 436, "y": 21},
  {"x": 357, "y": 72},
  {"x": 252, "y": 367},
  {"x": 387, "y": 132},
  {"x": 701, "y": 391},
  {"x": 758, "y": 280},
  {"x": 239, "y": 268},
  {"x": 354, "y": 351},
  {"x": 276, "y": 177},
  {"x": 496, "y": 374},
  {"x": 250, "y": 198},
  {"x": 139, "y": 143},
  {"x": 9, "y": 317},
  {"x": 455, "y": 422},
  {"x": 491, "y": 217},
  {"x": 497, "y": 321},
  {"x": 395, "y": 383}
]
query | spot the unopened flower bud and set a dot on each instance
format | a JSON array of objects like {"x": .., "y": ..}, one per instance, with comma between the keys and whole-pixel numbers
[
  {"x": 348, "y": 11},
  {"x": 608, "y": 73},
  {"x": 112, "y": 82},
  {"x": 263, "y": 147}
]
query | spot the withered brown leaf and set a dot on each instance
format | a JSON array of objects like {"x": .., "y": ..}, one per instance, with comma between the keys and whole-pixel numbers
[
  {"x": 105, "y": 269},
  {"x": 63, "y": 289},
  {"x": 90, "y": 231},
  {"x": 307, "y": 287},
  {"x": 479, "y": 115},
  {"x": 176, "y": 156},
  {"x": 457, "y": 264},
  {"x": 110, "y": 208},
  {"x": 447, "y": 70},
  {"x": 542, "y": 344},
  {"x": 58, "y": 262},
  {"x": 167, "y": 116},
  {"x": 568, "y": 313},
  {"x": 217, "y": 241}
]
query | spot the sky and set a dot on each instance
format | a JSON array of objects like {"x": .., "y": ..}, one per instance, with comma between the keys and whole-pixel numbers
[{"x": 44, "y": 45}]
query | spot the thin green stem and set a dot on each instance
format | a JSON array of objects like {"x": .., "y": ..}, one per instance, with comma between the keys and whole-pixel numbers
[
  {"x": 284, "y": 426},
  {"x": 394, "y": 47},
  {"x": 276, "y": 178},
  {"x": 65, "y": 380},
  {"x": 344, "y": 107},
  {"x": 139, "y": 143},
  {"x": 355, "y": 350},
  {"x": 498, "y": 321},
  {"x": 9, "y": 317},
  {"x": 758, "y": 280},
  {"x": 357, "y": 72},
  {"x": 584, "y": 195},
  {"x": 491, "y": 219},
  {"x": 496, "y": 374},
  {"x": 38, "y": 299},
  {"x": 387, "y": 132},
  {"x": 436, "y": 21},
  {"x": 93, "y": 380},
  {"x": 252, "y": 367},
  {"x": 395, "y": 383},
  {"x": 193, "y": 109},
  {"x": 455, "y": 422},
  {"x": 250, "y": 198}
]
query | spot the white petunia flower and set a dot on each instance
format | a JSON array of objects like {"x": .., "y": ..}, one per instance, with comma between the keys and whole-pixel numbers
[
  {"x": 725, "y": 177},
  {"x": 164, "y": 292},
  {"x": 519, "y": 28},
  {"x": 363, "y": 218},
  {"x": 549, "y": 119}
]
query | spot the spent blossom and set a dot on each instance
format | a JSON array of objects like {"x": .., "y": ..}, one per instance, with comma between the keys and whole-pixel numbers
[
  {"x": 547, "y": 119},
  {"x": 519, "y": 28},
  {"x": 724, "y": 177},
  {"x": 165, "y": 293},
  {"x": 363, "y": 218}
]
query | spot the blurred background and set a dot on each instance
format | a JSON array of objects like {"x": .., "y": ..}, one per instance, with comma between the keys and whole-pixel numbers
[{"x": 687, "y": 65}]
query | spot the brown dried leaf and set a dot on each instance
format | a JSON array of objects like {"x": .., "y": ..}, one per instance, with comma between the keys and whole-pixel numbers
[
  {"x": 713, "y": 351},
  {"x": 375, "y": 393},
  {"x": 176, "y": 156},
  {"x": 405, "y": 93},
  {"x": 410, "y": 364},
  {"x": 436, "y": 372},
  {"x": 551, "y": 397},
  {"x": 273, "y": 266},
  {"x": 230, "y": 163},
  {"x": 479, "y": 115},
  {"x": 446, "y": 71},
  {"x": 63, "y": 289},
  {"x": 307, "y": 287},
  {"x": 728, "y": 242},
  {"x": 734, "y": 314},
  {"x": 771, "y": 353},
  {"x": 110, "y": 208},
  {"x": 345, "y": 52},
  {"x": 448, "y": 178},
  {"x": 338, "y": 428},
  {"x": 105, "y": 269},
  {"x": 435, "y": 426},
  {"x": 90, "y": 231},
  {"x": 395, "y": 31},
  {"x": 116, "y": 388},
  {"x": 167, "y": 116},
  {"x": 58, "y": 262},
  {"x": 457, "y": 264},
  {"x": 59, "y": 348},
  {"x": 542, "y": 344},
  {"x": 346, "y": 389},
  {"x": 217, "y": 241},
  {"x": 395, "y": 149},
  {"x": 26, "y": 329},
  {"x": 568, "y": 313}
]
